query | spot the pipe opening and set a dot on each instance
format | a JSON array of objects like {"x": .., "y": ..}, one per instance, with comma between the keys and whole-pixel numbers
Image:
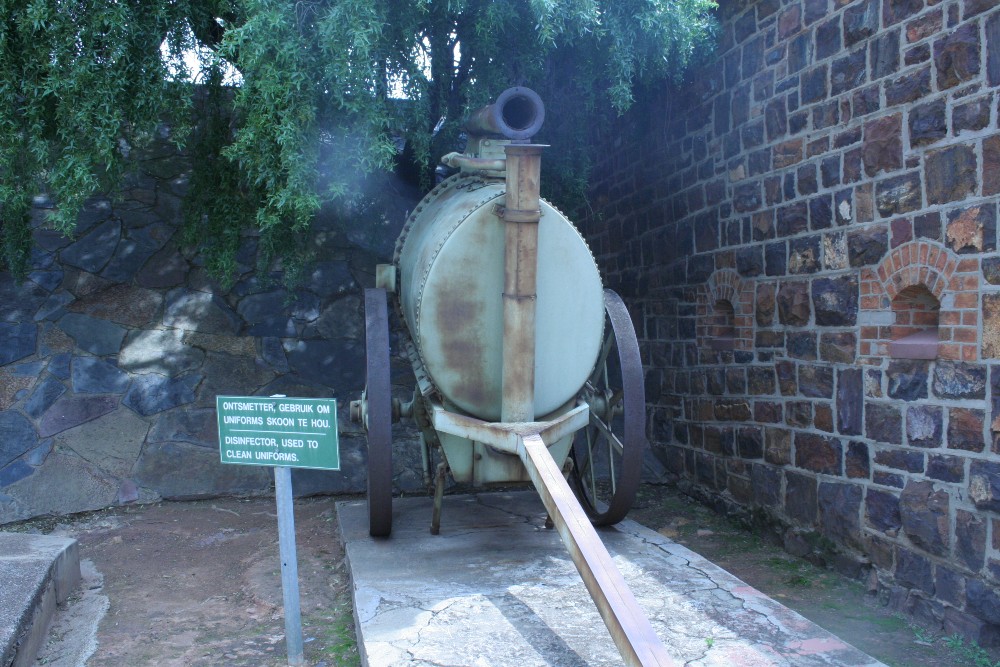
[{"x": 519, "y": 112}]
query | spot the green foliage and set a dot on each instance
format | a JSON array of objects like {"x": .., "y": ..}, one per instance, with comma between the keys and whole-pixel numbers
[{"x": 322, "y": 90}]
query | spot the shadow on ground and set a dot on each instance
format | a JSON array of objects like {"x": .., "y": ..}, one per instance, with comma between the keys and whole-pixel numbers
[{"x": 198, "y": 583}]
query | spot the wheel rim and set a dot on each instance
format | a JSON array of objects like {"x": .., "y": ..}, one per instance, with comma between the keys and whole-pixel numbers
[
  {"x": 377, "y": 400},
  {"x": 607, "y": 454}
]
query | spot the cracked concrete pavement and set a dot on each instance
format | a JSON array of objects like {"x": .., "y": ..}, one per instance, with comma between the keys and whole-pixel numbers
[{"x": 497, "y": 588}]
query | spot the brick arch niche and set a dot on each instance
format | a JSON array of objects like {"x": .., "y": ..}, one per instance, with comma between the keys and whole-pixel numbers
[
  {"x": 725, "y": 312},
  {"x": 920, "y": 302}
]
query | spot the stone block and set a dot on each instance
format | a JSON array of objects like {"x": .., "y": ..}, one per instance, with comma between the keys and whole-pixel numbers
[
  {"x": 923, "y": 425},
  {"x": 764, "y": 304},
  {"x": 957, "y": 56},
  {"x": 850, "y": 401},
  {"x": 949, "y": 585},
  {"x": 761, "y": 380},
  {"x": 848, "y": 72},
  {"x": 786, "y": 377},
  {"x": 17, "y": 341},
  {"x": 818, "y": 453},
  {"x": 983, "y": 600},
  {"x": 153, "y": 393},
  {"x": 778, "y": 446},
  {"x": 159, "y": 351},
  {"x": 861, "y": 21},
  {"x": 928, "y": 123},
  {"x": 793, "y": 303},
  {"x": 907, "y": 379},
  {"x": 856, "y": 461},
  {"x": 197, "y": 427},
  {"x": 970, "y": 539},
  {"x": 94, "y": 249},
  {"x": 950, "y": 174},
  {"x": 750, "y": 442},
  {"x": 803, "y": 255},
  {"x": 883, "y": 145},
  {"x": 956, "y": 380},
  {"x": 867, "y": 247},
  {"x": 883, "y": 53},
  {"x": 111, "y": 442},
  {"x": 925, "y": 515},
  {"x": 882, "y": 511},
  {"x": 900, "y": 459},
  {"x": 73, "y": 410},
  {"x": 894, "y": 11},
  {"x": 991, "y": 326},
  {"x": 946, "y": 468},
  {"x": 914, "y": 570},
  {"x": 840, "y": 513},
  {"x": 972, "y": 229},
  {"x": 46, "y": 392},
  {"x": 835, "y": 300},
  {"x": 984, "y": 485},
  {"x": 965, "y": 429},
  {"x": 883, "y": 423},
  {"x": 99, "y": 337},
  {"x": 801, "y": 498},
  {"x": 910, "y": 87},
  {"x": 993, "y": 50},
  {"x": 765, "y": 482},
  {"x": 801, "y": 345},
  {"x": 17, "y": 436},
  {"x": 991, "y": 162},
  {"x": 798, "y": 414},
  {"x": 898, "y": 195},
  {"x": 816, "y": 381},
  {"x": 95, "y": 376},
  {"x": 838, "y": 347}
]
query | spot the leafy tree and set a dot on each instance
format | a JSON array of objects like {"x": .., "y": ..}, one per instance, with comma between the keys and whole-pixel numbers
[{"x": 324, "y": 89}]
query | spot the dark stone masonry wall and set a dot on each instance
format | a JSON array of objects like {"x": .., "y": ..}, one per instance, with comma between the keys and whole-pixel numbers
[
  {"x": 827, "y": 187},
  {"x": 113, "y": 350}
]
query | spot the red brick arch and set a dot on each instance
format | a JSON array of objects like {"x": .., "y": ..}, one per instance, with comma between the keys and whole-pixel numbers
[
  {"x": 951, "y": 280},
  {"x": 725, "y": 288}
]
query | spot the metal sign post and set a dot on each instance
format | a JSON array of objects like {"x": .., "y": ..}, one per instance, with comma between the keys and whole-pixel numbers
[
  {"x": 293, "y": 433},
  {"x": 289, "y": 565}
]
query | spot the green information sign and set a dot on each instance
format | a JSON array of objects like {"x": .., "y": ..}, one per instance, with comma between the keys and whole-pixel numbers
[{"x": 292, "y": 432}]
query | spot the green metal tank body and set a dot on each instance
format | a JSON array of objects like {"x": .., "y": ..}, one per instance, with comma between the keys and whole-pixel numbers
[{"x": 451, "y": 275}]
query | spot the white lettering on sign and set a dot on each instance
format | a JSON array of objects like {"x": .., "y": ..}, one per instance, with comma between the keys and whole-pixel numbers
[
  {"x": 323, "y": 409},
  {"x": 240, "y": 419},
  {"x": 254, "y": 442},
  {"x": 280, "y": 421},
  {"x": 320, "y": 423},
  {"x": 294, "y": 407},
  {"x": 291, "y": 457},
  {"x": 240, "y": 405}
]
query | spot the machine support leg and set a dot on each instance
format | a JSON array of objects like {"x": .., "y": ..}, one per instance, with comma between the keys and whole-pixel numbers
[
  {"x": 442, "y": 470},
  {"x": 627, "y": 623}
]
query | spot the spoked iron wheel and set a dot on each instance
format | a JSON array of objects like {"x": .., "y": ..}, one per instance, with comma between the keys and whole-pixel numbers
[
  {"x": 377, "y": 412},
  {"x": 607, "y": 454}
]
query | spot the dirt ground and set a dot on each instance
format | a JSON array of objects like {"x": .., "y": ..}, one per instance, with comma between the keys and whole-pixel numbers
[{"x": 198, "y": 584}]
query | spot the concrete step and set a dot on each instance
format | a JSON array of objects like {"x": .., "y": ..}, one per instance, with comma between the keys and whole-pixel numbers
[
  {"x": 37, "y": 572},
  {"x": 497, "y": 588}
]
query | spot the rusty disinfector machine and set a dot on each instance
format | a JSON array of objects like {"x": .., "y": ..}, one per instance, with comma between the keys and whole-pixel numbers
[{"x": 527, "y": 369}]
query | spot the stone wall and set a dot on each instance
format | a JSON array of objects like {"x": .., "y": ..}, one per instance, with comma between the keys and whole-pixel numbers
[
  {"x": 807, "y": 235},
  {"x": 113, "y": 350}
]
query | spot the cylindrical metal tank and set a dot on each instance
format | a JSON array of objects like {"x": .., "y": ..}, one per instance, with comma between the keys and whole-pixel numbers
[{"x": 450, "y": 264}]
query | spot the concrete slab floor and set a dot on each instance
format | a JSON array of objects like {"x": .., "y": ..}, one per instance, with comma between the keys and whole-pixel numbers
[{"x": 497, "y": 588}]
